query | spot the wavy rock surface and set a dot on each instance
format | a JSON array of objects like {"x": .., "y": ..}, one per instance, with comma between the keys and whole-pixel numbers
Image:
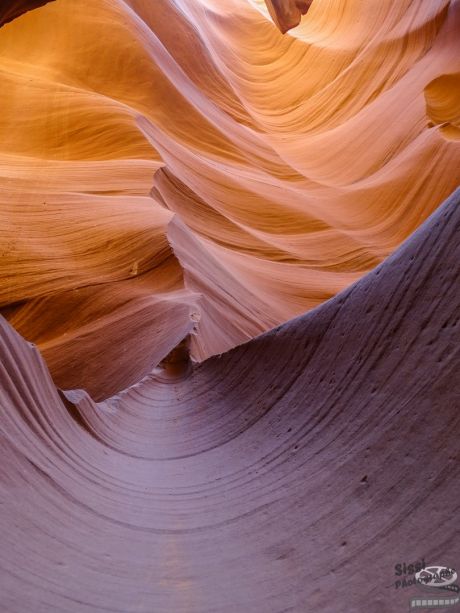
[
  {"x": 291, "y": 474},
  {"x": 181, "y": 167},
  {"x": 177, "y": 175}
]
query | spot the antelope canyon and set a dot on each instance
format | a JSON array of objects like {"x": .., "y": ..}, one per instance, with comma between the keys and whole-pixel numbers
[{"x": 229, "y": 306}]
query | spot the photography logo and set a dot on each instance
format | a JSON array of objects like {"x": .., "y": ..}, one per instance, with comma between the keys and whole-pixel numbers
[{"x": 439, "y": 579}]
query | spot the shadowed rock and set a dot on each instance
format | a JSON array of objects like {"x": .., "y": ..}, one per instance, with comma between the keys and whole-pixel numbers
[
  {"x": 287, "y": 13},
  {"x": 13, "y": 9}
]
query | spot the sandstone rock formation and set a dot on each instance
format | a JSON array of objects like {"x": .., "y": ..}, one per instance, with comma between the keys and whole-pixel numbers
[
  {"x": 181, "y": 167},
  {"x": 229, "y": 303},
  {"x": 287, "y": 13},
  {"x": 292, "y": 473}
]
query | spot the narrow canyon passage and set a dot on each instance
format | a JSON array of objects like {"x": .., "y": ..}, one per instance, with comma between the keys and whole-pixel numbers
[
  {"x": 173, "y": 168},
  {"x": 314, "y": 455},
  {"x": 229, "y": 305}
]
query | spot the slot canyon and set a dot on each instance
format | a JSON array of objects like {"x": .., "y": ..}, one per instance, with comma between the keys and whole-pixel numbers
[{"x": 229, "y": 306}]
